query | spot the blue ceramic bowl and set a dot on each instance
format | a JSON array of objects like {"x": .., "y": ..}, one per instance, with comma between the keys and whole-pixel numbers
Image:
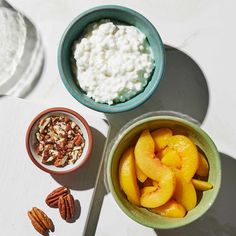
[{"x": 120, "y": 14}]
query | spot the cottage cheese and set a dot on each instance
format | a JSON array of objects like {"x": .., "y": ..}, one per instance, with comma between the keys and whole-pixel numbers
[{"x": 113, "y": 62}]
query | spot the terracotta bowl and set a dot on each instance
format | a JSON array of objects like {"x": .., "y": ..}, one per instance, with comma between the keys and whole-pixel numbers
[{"x": 31, "y": 140}]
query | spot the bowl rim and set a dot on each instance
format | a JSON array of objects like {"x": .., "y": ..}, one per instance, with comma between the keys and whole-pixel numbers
[
  {"x": 58, "y": 109},
  {"x": 196, "y": 128},
  {"x": 105, "y": 107}
]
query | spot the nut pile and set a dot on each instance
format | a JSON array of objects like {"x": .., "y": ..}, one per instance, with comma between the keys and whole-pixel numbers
[
  {"x": 60, "y": 141},
  {"x": 60, "y": 198},
  {"x": 65, "y": 202}
]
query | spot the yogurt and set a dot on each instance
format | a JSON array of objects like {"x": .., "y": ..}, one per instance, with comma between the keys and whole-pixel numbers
[{"x": 113, "y": 62}]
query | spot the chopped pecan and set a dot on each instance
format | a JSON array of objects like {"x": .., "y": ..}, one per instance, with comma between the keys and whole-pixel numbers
[
  {"x": 67, "y": 119},
  {"x": 59, "y": 162},
  {"x": 57, "y": 139},
  {"x": 39, "y": 148},
  {"x": 68, "y": 127},
  {"x": 78, "y": 140},
  {"x": 43, "y": 123}
]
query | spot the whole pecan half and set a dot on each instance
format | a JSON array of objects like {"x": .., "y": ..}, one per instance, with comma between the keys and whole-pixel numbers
[
  {"x": 41, "y": 222},
  {"x": 53, "y": 197},
  {"x": 66, "y": 207}
]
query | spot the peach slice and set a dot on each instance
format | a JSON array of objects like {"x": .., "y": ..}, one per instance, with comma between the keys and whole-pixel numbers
[
  {"x": 148, "y": 191},
  {"x": 140, "y": 175},
  {"x": 171, "y": 158},
  {"x": 127, "y": 176},
  {"x": 201, "y": 185},
  {"x": 203, "y": 167},
  {"x": 170, "y": 209},
  {"x": 187, "y": 150},
  {"x": 152, "y": 167},
  {"x": 161, "y": 137},
  {"x": 185, "y": 193}
]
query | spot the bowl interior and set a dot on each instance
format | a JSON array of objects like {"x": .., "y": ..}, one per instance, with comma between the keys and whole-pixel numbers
[
  {"x": 179, "y": 126},
  {"x": 74, "y": 32},
  {"x": 38, "y": 159}
]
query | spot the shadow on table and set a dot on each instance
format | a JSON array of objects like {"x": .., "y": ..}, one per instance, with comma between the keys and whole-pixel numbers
[
  {"x": 220, "y": 219},
  {"x": 34, "y": 54},
  {"x": 85, "y": 177},
  {"x": 183, "y": 89}
]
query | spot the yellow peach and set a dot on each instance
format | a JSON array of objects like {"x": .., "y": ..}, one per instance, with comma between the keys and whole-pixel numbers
[
  {"x": 185, "y": 193},
  {"x": 161, "y": 137},
  {"x": 148, "y": 190},
  {"x": 170, "y": 209},
  {"x": 171, "y": 158},
  {"x": 203, "y": 167},
  {"x": 201, "y": 185},
  {"x": 140, "y": 175},
  {"x": 187, "y": 150},
  {"x": 127, "y": 176},
  {"x": 152, "y": 167}
]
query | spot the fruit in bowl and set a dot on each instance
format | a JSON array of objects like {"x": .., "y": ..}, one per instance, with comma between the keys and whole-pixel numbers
[
  {"x": 163, "y": 171},
  {"x": 169, "y": 162}
]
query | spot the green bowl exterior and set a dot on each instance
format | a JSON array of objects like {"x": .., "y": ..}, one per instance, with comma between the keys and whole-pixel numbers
[
  {"x": 75, "y": 30},
  {"x": 129, "y": 137}
]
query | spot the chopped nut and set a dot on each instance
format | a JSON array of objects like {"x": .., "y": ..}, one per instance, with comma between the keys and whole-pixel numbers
[
  {"x": 68, "y": 127},
  {"x": 50, "y": 159},
  {"x": 75, "y": 154},
  {"x": 73, "y": 124},
  {"x": 43, "y": 123},
  {"x": 60, "y": 141},
  {"x": 70, "y": 145},
  {"x": 38, "y": 136},
  {"x": 67, "y": 119}
]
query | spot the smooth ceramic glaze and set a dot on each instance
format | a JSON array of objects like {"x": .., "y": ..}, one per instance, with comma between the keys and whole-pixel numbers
[
  {"x": 31, "y": 140},
  {"x": 115, "y": 13},
  {"x": 129, "y": 136}
]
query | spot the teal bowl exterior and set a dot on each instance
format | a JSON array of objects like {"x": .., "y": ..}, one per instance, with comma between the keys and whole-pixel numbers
[
  {"x": 128, "y": 137},
  {"x": 120, "y": 14}
]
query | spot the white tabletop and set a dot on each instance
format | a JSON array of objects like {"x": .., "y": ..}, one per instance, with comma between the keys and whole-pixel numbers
[
  {"x": 24, "y": 186},
  {"x": 201, "y": 84}
]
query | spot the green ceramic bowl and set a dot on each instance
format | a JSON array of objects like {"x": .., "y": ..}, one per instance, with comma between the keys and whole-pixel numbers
[
  {"x": 75, "y": 30},
  {"x": 128, "y": 136}
]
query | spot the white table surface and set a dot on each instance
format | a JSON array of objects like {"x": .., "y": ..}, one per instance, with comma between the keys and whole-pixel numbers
[
  {"x": 201, "y": 85},
  {"x": 24, "y": 186}
]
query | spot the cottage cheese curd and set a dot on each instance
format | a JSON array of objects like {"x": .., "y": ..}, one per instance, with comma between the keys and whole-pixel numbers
[{"x": 113, "y": 62}]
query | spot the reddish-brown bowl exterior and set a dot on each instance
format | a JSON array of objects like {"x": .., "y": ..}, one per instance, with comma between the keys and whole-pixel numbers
[{"x": 59, "y": 109}]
